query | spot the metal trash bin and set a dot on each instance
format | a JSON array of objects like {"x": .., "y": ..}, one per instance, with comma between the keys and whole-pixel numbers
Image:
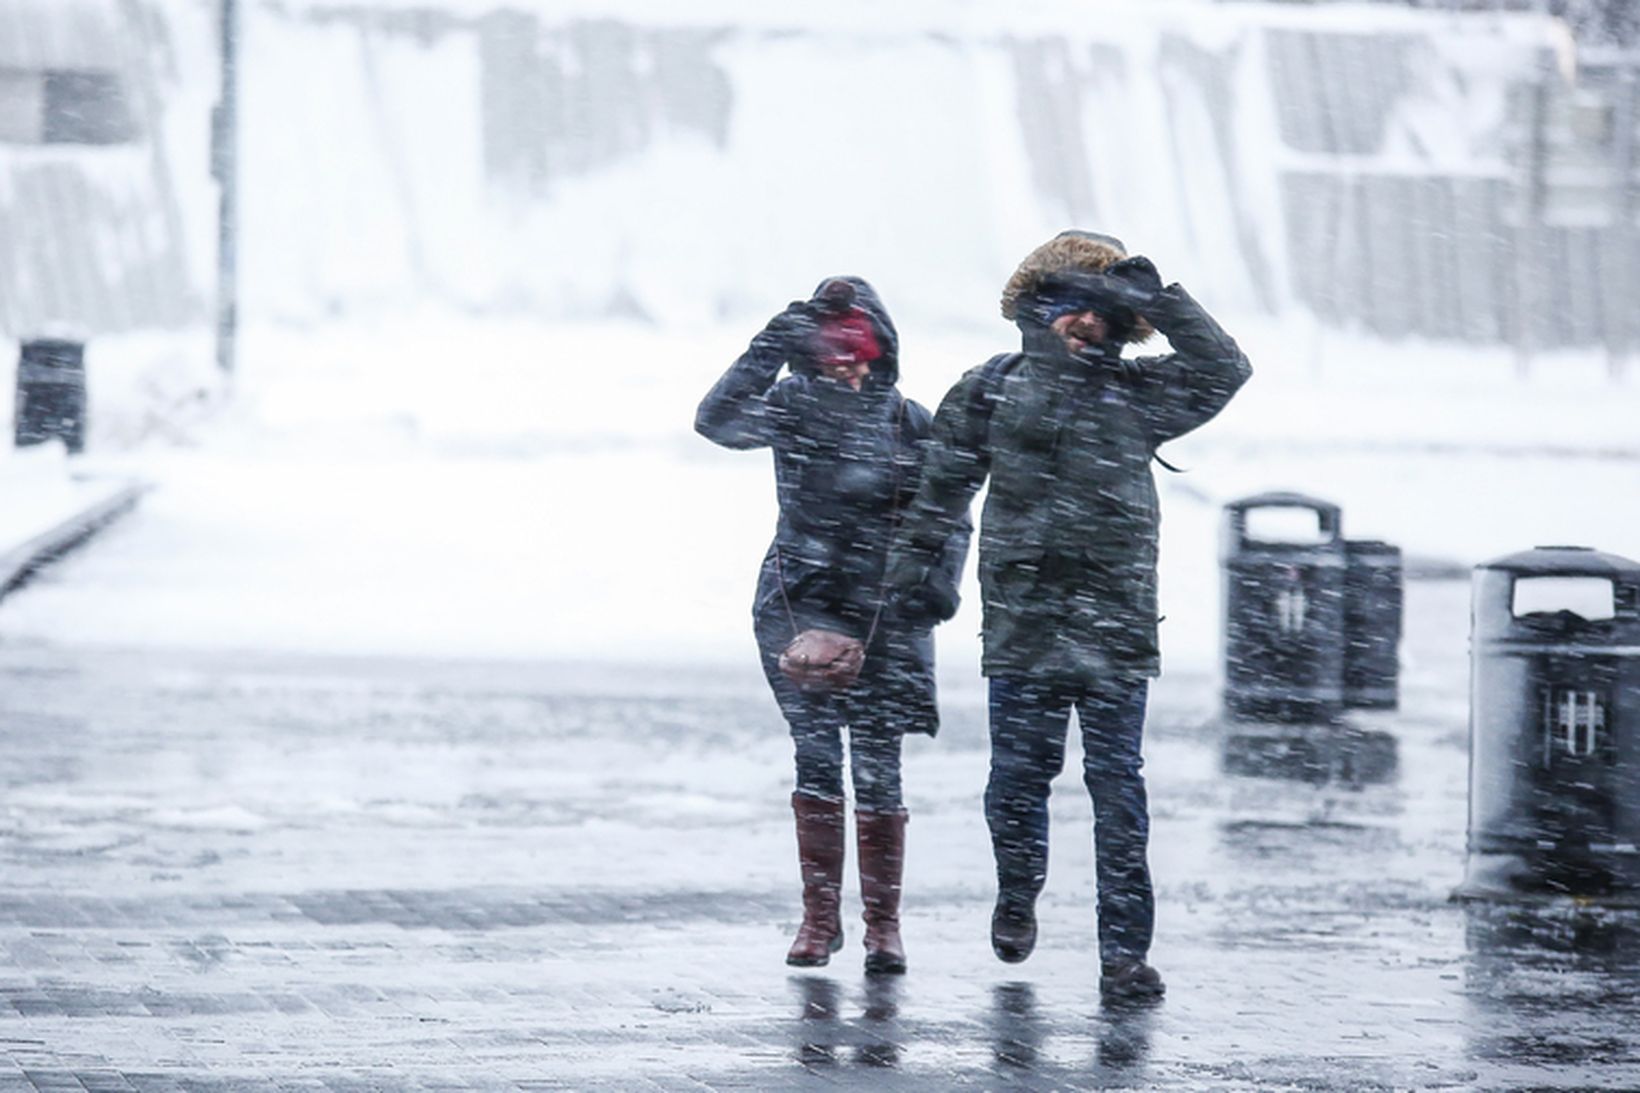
[
  {"x": 1373, "y": 598},
  {"x": 51, "y": 393},
  {"x": 1554, "y": 751},
  {"x": 1283, "y": 611}
]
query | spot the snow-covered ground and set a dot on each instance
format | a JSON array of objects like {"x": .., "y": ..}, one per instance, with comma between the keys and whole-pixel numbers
[
  {"x": 39, "y": 493},
  {"x": 433, "y": 484}
]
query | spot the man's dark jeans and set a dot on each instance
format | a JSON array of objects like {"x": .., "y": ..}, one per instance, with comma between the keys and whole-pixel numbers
[{"x": 1028, "y": 727}]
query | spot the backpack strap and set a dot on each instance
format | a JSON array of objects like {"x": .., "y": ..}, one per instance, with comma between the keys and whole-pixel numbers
[{"x": 988, "y": 392}]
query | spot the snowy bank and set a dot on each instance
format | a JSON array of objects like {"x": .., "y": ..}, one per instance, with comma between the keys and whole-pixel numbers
[
  {"x": 432, "y": 485},
  {"x": 49, "y": 510}
]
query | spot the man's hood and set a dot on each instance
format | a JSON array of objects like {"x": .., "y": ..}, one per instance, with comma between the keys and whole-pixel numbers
[{"x": 1067, "y": 252}]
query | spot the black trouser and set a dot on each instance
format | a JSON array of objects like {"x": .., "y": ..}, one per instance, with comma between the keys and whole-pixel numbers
[
  {"x": 1028, "y": 726},
  {"x": 817, "y": 720}
]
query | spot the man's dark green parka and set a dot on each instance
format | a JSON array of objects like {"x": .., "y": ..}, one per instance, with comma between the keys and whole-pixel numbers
[{"x": 1068, "y": 537}]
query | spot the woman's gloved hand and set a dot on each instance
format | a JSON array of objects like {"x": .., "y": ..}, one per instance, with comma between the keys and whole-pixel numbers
[{"x": 788, "y": 331}]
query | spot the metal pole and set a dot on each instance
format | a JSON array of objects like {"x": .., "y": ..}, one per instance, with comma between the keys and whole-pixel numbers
[
  {"x": 1618, "y": 324},
  {"x": 225, "y": 169},
  {"x": 1528, "y": 233}
]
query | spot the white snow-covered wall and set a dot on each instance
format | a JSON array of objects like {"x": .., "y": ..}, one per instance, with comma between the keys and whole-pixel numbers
[
  {"x": 638, "y": 159},
  {"x": 628, "y": 158},
  {"x": 107, "y": 210}
]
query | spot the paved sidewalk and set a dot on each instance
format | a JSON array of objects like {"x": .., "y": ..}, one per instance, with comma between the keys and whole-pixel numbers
[{"x": 256, "y": 873}]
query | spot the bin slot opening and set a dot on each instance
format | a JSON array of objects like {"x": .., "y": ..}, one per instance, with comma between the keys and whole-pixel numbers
[
  {"x": 1286, "y": 524},
  {"x": 1592, "y": 598},
  {"x": 1574, "y": 723}
]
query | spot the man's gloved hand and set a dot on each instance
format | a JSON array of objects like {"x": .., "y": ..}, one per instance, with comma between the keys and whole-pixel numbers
[
  {"x": 1134, "y": 282},
  {"x": 920, "y": 606},
  {"x": 1120, "y": 292}
]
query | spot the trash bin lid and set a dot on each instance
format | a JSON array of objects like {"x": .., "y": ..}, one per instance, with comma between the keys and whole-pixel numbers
[
  {"x": 1281, "y": 499},
  {"x": 1565, "y": 561},
  {"x": 1246, "y": 523}
]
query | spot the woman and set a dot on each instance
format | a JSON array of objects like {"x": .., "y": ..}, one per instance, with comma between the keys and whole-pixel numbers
[{"x": 847, "y": 452}]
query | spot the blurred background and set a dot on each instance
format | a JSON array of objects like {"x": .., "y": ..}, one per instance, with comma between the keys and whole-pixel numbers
[
  {"x": 1454, "y": 170},
  {"x": 336, "y": 243}
]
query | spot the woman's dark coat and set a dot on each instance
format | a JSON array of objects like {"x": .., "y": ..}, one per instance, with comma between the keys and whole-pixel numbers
[{"x": 846, "y": 467}]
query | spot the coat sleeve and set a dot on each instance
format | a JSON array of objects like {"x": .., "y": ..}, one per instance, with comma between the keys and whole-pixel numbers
[
  {"x": 932, "y": 542},
  {"x": 944, "y": 571},
  {"x": 1188, "y": 387},
  {"x": 746, "y": 407}
]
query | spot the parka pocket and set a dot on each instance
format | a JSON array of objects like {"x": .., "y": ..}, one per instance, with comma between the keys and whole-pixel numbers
[
  {"x": 1011, "y": 592},
  {"x": 1008, "y": 572}
]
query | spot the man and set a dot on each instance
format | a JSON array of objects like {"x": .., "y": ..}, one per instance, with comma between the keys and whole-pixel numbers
[{"x": 1066, "y": 431}]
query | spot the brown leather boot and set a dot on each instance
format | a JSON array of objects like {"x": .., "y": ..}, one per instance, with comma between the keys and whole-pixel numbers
[
  {"x": 882, "y": 865},
  {"x": 820, "y": 854}
]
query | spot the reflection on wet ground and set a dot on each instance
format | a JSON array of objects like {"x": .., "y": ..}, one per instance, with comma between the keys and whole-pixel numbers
[
  {"x": 845, "y": 1028},
  {"x": 1124, "y": 1036},
  {"x": 1343, "y": 755},
  {"x": 1555, "y": 986},
  {"x": 827, "y": 1036},
  {"x": 1017, "y": 1028},
  {"x": 1021, "y": 1032}
]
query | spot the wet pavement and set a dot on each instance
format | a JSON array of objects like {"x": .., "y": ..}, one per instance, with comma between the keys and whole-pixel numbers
[{"x": 284, "y": 873}]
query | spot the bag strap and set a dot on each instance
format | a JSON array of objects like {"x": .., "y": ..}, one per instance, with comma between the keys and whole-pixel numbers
[
  {"x": 780, "y": 575},
  {"x": 894, "y": 526}
]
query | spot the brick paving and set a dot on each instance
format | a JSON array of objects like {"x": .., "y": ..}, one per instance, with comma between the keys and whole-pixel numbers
[{"x": 285, "y": 873}]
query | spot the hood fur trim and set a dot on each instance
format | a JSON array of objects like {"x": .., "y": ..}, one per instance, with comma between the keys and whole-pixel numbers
[{"x": 1069, "y": 250}]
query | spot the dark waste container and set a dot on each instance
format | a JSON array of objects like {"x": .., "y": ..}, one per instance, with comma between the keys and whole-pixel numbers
[
  {"x": 1554, "y": 726},
  {"x": 1373, "y": 597},
  {"x": 51, "y": 393},
  {"x": 1283, "y": 608}
]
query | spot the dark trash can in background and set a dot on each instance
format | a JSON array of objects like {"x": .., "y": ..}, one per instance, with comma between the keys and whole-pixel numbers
[
  {"x": 1283, "y": 611},
  {"x": 1554, "y": 726},
  {"x": 51, "y": 393},
  {"x": 1373, "y": 599}
]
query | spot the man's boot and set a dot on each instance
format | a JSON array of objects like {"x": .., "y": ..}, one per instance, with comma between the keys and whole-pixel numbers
[
  {"x": 820, "y": 855},
  {"x": 1013, "y": 927},
  {"x": 882, "y": 865},
  {"x": 1129, "y": 980}
]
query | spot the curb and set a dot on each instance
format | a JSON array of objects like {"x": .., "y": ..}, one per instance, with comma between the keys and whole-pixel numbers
[{"x": 21, "y": 563}]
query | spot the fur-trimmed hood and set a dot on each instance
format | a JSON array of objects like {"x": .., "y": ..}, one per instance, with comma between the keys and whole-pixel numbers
[{"x": 1069, "y": 251}]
